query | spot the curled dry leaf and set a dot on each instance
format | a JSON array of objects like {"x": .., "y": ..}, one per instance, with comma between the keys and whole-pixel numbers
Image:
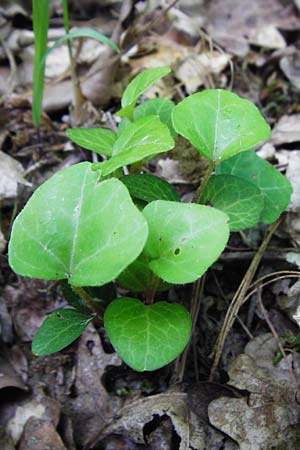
[
  {"x": 235, "y": 26},
  {"x": 11, "y": 173},
  {"x": 290, "y": 66},
  {"x": 270, "y": 416},
  {"x": 287, "y": 130},
  {"x": 39, "y": 434},
  {"x": 292, "y": 160},
  {"x": 196, "y": 68}
]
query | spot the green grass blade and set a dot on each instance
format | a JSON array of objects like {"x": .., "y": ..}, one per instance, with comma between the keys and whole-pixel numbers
[
  {"x": 81, "y": 33},
  {"x": 40, "y": 16},
  {"x": 66, "y": 15}
]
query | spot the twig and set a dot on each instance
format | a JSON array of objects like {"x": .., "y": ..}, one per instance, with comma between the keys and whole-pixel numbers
[{"x": 238, "y": 298}]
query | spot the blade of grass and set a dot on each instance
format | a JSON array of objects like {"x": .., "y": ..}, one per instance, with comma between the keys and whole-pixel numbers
[
  {"x": 40, "y": 17},
  {"x": 81, "y": 33}
]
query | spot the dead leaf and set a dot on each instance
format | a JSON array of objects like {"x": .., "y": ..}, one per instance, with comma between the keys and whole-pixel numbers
[
  {"x": 291, "y": 158},
  {"x": 235, "y": 26},
  {"x": 92, "y": 407},
  {"x": 290, "y": 66},
  {"x": 8, "y": 376},
  {"x": 270, "y": 416},
  {"x": 196, "y": 68},
  {"x": 286, "y": 130},
  {"x": 11, "y": 173},
  {"x": 39, "y": 434},
  {"x": 2, "y": 242}
]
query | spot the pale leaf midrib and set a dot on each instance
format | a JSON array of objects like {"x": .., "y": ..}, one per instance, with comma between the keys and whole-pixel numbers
[{"x": 76, "y": 222}]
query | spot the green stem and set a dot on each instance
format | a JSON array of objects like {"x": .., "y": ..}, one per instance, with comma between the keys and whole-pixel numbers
[
  {"x": 150, "y": 293},
  {"x": 204, "y": 182},
  {"x": 89, "y": 302}
]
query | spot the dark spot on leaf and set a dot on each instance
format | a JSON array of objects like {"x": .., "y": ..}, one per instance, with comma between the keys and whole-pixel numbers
[
  {"x": 176, "y": 251},
  {"x": 59, "y": 316}
]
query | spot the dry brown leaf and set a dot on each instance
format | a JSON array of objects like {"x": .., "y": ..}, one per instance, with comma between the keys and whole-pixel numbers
[
  {"x": 270, "y": 416},
  {"x": 11, "y": 173},
  {"x": 235, "y": 25},
  {"x": 196, "y": 68},
  {"x": 286, "y": 130},
  {"x": 93, "y": 407},
  {"x": 39, "y": 434}
]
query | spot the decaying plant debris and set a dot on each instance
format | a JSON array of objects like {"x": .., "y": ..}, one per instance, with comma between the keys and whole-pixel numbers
[{"x": 84, "y": 397}]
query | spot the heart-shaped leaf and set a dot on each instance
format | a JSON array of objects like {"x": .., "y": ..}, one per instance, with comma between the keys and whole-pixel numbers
[
  {"x": 149, "y": 188},
  {"x": 144, "y": 138},
  {"x": 58, "y": 330},
  {"x": 184, "y": 239},
  {"x": 138, "y": 276},
  {"x": 99, "y": 140},
  {"x": 77, "y": 228},
  {"x": 219, "y": 123},
  {"x": 147, "y": 337},
  {"x": 239, "y": 199},
  {"x": 160, "y": 107},
  {"x": 275, "y": 188},
  {"x": 137, "y": 86}
]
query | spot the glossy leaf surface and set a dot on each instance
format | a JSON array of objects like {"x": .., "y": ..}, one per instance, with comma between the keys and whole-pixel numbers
[
  {"x": 161, "y": 107},
  {"x": 275, "y": 188},
  {"x": 99, "y": 140},
  {"x": 219, "y": 123},
  {"x": 59, "y": 330},
  {"x": 144, "y": 138},
  {"x": 137, "y": 86},
  {"x": 77, "y": 228},
  {"x": 239, "y": 199},
  {"x": 149, "y": 188},
  {"x": 147, "y": 337},
  {"x": 184, "y": 239}
]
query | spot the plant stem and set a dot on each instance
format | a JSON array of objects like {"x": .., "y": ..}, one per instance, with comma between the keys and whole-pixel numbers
[
  {"x": 197, "y": 294},
  {"x": 78, "y": 98},
  {"x": 239, "y": 298},
  {"x": 89, "y": 302},
  {"x": 150, "y": 293},
  {"x": 204, "y": 182}
]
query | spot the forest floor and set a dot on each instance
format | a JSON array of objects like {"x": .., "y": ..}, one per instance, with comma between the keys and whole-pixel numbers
[{"x": 84, "y": 397}]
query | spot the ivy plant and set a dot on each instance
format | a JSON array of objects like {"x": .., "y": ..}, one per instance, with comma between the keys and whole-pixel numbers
[{"x": 95, "y": 229}]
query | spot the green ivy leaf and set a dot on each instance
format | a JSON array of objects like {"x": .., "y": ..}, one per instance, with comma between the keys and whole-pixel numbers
[
  {"x": 144, "y": 138},
  {"x": 147, "y": 337},
  {"x": 160, "y": 107},
  {"x": 184, "y": 239},
  {"x": 58, "y": 330},
  {"x": 149, "y": 188},
  {"x": 77, "y": 228},
  {"x": 239, "y": 199},
  {"x": 275, "y": 188},
  {"x": 99, "y": 140},
  {"x": 219, "y": 123},
  {"x": 137, "y": 86},
  {"x": 138, "y": 276}
]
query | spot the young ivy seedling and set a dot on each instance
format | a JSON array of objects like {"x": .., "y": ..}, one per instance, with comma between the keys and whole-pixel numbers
[{"x": 90, "y": 225}]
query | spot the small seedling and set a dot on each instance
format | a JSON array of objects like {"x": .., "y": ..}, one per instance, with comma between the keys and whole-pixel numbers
[{"x": 90, "y": 225}]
